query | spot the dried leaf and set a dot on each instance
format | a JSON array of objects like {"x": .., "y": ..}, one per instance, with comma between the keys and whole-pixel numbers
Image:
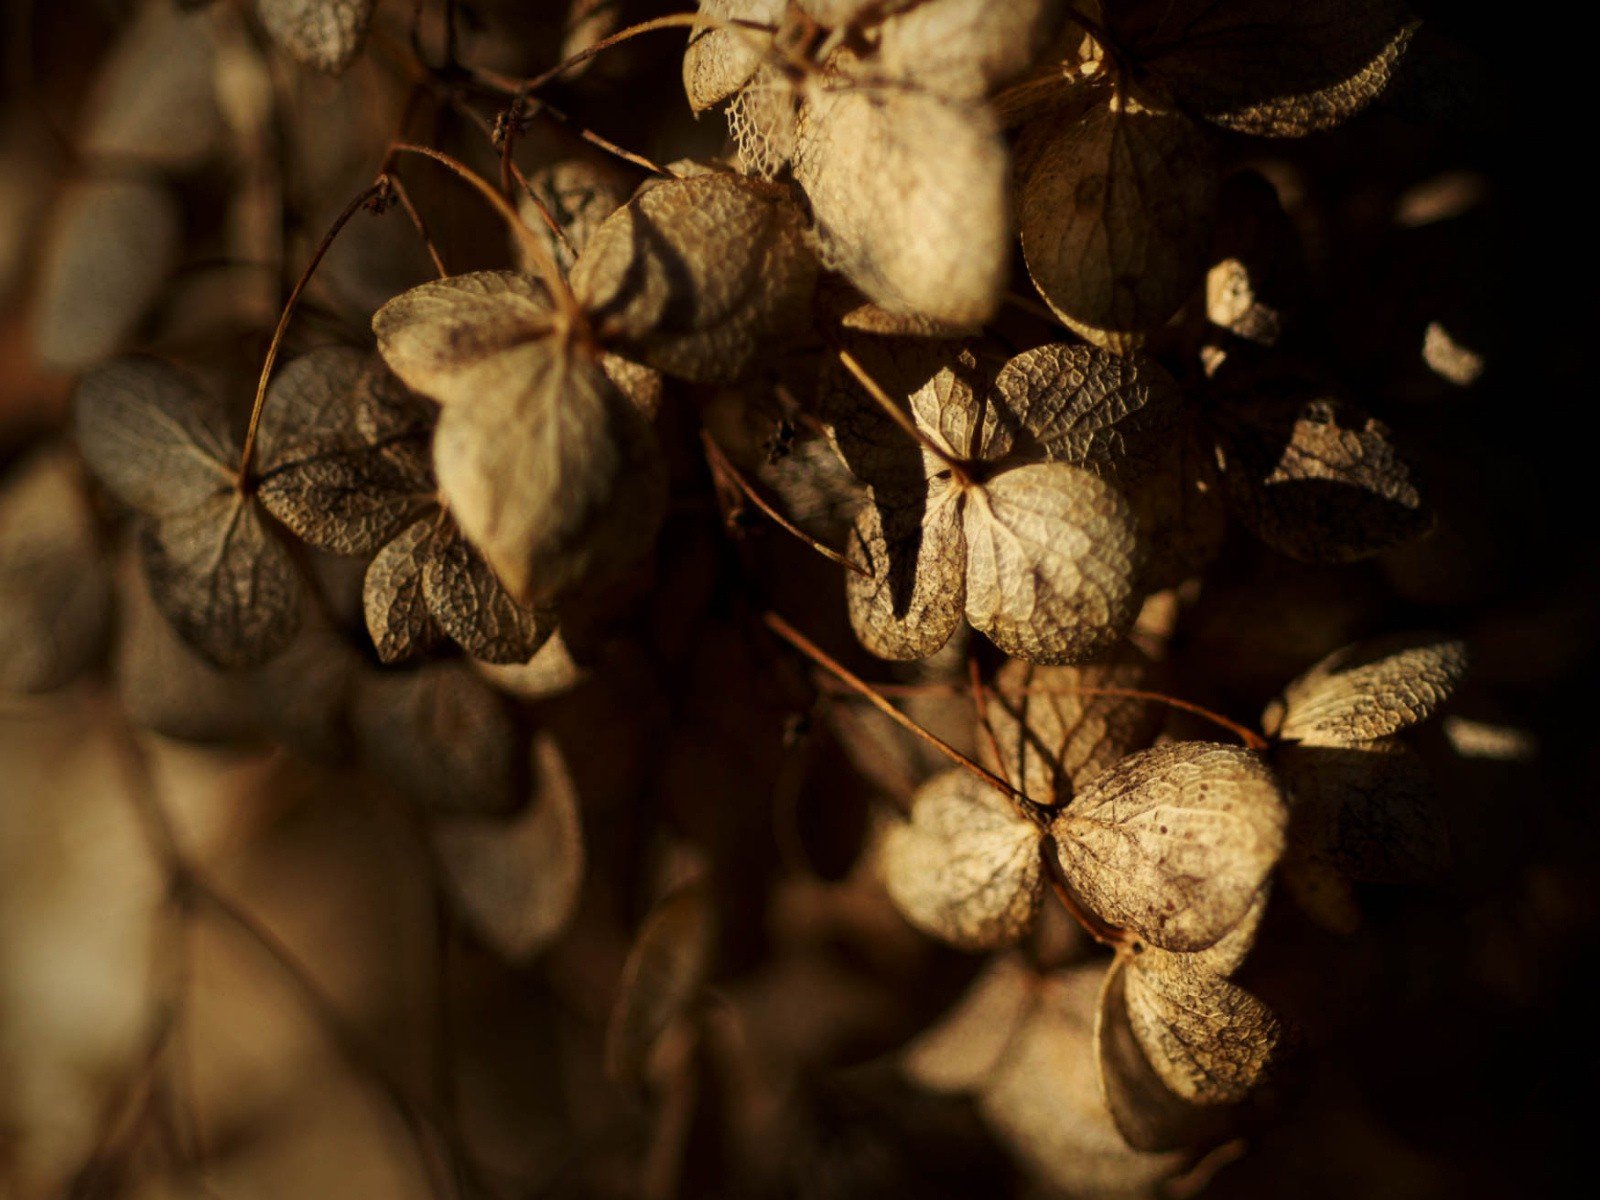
[
  {"x": 325, "y": 34},
  {"x": 156, "y": 100},
  {"x": 1054, "y": 738},
  {"x": 442, "y": 737},
  {"x": 910, "y": 601},
  {"x": 1179, "y": 505},
  {"x": 1080, "y": 405},
  {"x": 113, "y": 245},
  {"x": 467, "y": 601},
  {"x": 555, "y": 479},
  {"x": 1052, "y": 559},
  {"x": 396, "y": 607},
  {"x": 1258, "y": 267},
  {"x": 909, "y": 193},
  {"x": 224, "y": 580},
  {"x": 517, "y": 881},
  {"x": 1264, "y": 67},
  {"x": 702, "y": 278},
  {"x": 1369, "y": 690},
  {"x": 1174, "y": 843},
  {"x": 1316, "y": 478},
  {"x": 551, "y": 671},
  {"x": 960, "y": 1053},
  {"x": 966, "y": 868},
  {"x": 468, "y": 336},
  {"x": 1115, "y": 196},
  {"x": 55, "y": 584},
  {"x": 1045, "y": 1100},
  {"x": 718, "y": 62},
  {"x": 666, "y": 969},
  {"x": 965, "y": 49}
]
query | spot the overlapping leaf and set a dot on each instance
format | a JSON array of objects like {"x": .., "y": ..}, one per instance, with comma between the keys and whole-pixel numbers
[
  {"x": 1174, "y": 844},
  {"x": 966, "y": 868},
  {"x": 217, "y": 570},
  {"x": 325, "y": 34}
]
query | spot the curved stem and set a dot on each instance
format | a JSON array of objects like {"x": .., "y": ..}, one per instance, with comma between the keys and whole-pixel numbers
[
  {"x": 284, "y": 318},
  {"x": 860, "y": 686},
  {"x": 1251, "y": 739},
  {"x": 901, "y": 418}
]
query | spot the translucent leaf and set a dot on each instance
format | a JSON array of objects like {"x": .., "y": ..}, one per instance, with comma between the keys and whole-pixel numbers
[
  {"x": 1174, "y": 843},
  {"x": 534, "y": 469},
  {"x": 666, "y": 969},
  {"x": 55, "y": 584},
  {"x": 1366, "y": 810},
  {"x": 153, "y": 436},
  {"x": 113, "y": 245},
  {"x": 396, "y": 607},
  {"x": 763, "y": 119},
  {"x": 224, "y": 580},
  {"x": 1053, "y": 738},
  {"x": 702, "y": 278},
  {"x": 1265, "y": 67},
  {"x": 1046, "y": 1102},
  {"x": 718, "y": 62},
  {"x": 1115, "y": 197},
  {"x": 966, "y": 868},
  {"x": 1081, "y": 405},
  {"x": 909, "y": 193},
  {"x": 1316, "y": 478},
  {"x": 442, "y": 737},
  {"x": 325, "y": 34},
  {"x": 1051, "y": 563},
  {"x": 1209, "y": 1040},
  {"x": 1369, "y": 690},
  {"x": 156, "y": 100},
  {"x": 517, "y": 881},
  {"x": 467, "y": 336},
  {"x": 910, "y": 601},
  {"x": 965, "y": 49},
  {"x": 961, "y": 1051}
]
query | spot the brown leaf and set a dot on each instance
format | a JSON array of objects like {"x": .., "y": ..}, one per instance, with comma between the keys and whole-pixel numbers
[
  {"x": 719, "y": 62},
  {"x": 910, "y": 601},
  {"x": 964, "y": 49},
  {"x": 1081, "y": 405},
  {"x": 1052, "y": 559},
  {"x": 1265, "y": 67},
  {"x": 552, "y": 474},
  {"x": 1369, "y": 690},
  {"x": 442, "y": 737},
  {"x": 1054, "y": 739},
  {"x": 325, "y": 34},
  {"x": 966, "y": 868},
  {"x": 580, "y": 194},
  {"x": 224, "y": 580},
  {"x": 1180, "y": 509},
  {"x": 468, "y": 602},
  {"x": 702, "y": 278},
  {"x": 668, "y": 965},
  {"x": 1314, "y": 477},
  {"x": 55, "y": 583},
  {"x": 112, "y": 247},
  {"x": 468, "y": 336},
  {"x": 550, "y": 672},
  {"x": 1258, "y": 270},
  {"x": 1046, "y": 1102},
  {"x": 517, "y": 881},
  {"x": 1115, "y": 196},
  {"x": 909, "y": 193},
  {"x": 1174, "y": 843},
  {"x": 153, "y": 436},
  {"x": 396, "y": 607}
]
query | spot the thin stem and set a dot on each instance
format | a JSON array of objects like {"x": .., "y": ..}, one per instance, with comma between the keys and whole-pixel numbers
[
  {"x": 404, "y": 197},
  {"x": 980, "y": 706},
  {"x": 724, "y": 468},
  {"x": 537, "y": 252},
  {"x": 670, "y": 21},
  {"x": 1106, "y": 935},
  {"x": 287, "y": 315},
  {"x": 899, "y": 415},
  {"x": 856, "y": 684}
]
